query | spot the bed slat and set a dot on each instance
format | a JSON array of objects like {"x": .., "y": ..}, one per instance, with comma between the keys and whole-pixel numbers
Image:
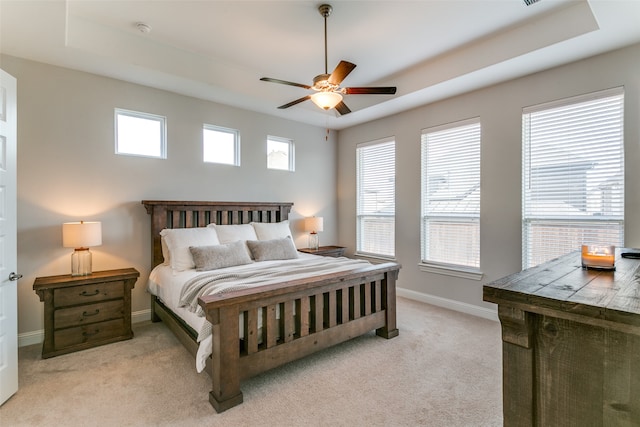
[
  {"x": 344, "y": 301},
  {"x": 271, "y": 326},
  {"x": 354, "y": 307},
  {"x": 302, "y": 316},
  {"x": 288, "y": 322},
  {"x": 318, "y": 312},
  {"x": 251, "y": 331},
  {"x": 332, "y": 309},
  {"x": 366, "y": 288}
]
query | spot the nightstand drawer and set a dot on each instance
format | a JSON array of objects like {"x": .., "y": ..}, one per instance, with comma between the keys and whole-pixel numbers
[
  {"x": 88, "y": 293},
  {"x": 89, "y": 333},
  {"x": 90, "y": 313}
]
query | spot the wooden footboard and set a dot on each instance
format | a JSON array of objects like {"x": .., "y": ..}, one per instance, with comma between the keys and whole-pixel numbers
[{"x": 314, "y": 315}]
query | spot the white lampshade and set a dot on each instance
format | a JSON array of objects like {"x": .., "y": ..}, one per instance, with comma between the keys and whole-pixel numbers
[
  {"x": 81, "y": 234},
  {"x": 313, "y": 224},
  {"x": 326, "y": 100}
]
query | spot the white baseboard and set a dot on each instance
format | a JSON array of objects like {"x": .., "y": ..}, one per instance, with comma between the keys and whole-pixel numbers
[
  {"x": 30, "y": 338},
  {"x": 141, "y": 316},
  {"x": 37, "y": 337},
  {"x": 463, "y": 307}
]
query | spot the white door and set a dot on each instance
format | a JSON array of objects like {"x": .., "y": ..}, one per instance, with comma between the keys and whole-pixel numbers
[{"x": 8, "y": 247}]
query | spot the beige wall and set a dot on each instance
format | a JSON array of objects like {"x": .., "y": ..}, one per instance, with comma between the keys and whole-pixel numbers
[
  {"x": 500, "y": 110},
  {"x": 67, "y": 170}
]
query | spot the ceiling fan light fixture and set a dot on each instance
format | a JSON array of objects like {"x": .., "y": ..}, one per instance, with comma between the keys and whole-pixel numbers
[
  {"x": 326, "y": 100},
  {"x": 329, "y": 93}
]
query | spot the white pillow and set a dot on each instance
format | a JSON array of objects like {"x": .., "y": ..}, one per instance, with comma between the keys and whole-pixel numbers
[
  {"x": 234, "y": 232},
  {"x": 230, "y": 233},
  {"x": 165, "y": 251},
  {"x": 178, "y": 241},
  {"x": 272, "y": 230}
]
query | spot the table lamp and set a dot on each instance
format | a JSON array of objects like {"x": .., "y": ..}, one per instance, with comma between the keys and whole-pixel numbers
[
  {"x": 80, "y": 236},
  {"x": 313, "y": 225}
]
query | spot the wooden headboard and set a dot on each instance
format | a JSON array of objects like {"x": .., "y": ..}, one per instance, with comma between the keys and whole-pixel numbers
[{"x": 181, "y": 214}]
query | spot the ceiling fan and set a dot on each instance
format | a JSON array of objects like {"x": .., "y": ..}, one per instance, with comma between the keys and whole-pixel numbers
[{"x": 328, "y": 93}]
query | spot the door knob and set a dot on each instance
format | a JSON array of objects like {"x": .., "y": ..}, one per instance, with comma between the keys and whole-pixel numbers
[{"x": 13, "y": 276}]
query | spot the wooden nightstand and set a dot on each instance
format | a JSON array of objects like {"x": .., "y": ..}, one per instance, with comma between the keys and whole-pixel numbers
[
  {"x": 334, "y": 251},
  {"x": 85, "y": 311}
]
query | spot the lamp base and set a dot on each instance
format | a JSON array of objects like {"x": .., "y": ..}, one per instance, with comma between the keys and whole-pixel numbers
[
  {"x": 81, "y": 262},
  {"x": 314, "y": 241}
]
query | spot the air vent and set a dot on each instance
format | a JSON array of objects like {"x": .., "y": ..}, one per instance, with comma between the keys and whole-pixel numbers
[{"x": 530, "y": 2}]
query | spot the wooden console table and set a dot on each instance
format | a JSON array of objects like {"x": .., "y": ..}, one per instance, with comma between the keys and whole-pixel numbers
[{"x": 571, "y": 343}]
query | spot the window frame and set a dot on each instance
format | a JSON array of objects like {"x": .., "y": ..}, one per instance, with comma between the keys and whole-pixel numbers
[
  {"x": 291, "y": 153},
  {"x": 145, "y": 116},
  {"x": 578, "y": 222},
  {"x": 359, "y": 189},
  {"x": 236, "y": 143},
  {"x": 442, "y": 267}
]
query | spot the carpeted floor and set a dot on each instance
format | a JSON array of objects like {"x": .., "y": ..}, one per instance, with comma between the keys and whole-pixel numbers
[{"x": 444, "y": 369}]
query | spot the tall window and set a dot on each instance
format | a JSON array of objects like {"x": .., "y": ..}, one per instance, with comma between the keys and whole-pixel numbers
[
  {"x": 140, "y": 134},
  {"x": 280, "y": 153},
  {"x": 376, "y": 198},
  {"x": 573, "y": 175},
  {"x": 451, "y": 194},
  {"x": 221, "y": 145}
]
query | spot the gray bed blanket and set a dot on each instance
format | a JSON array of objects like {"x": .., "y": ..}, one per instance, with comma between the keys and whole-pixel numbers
[{"x": 219, "y": 281}]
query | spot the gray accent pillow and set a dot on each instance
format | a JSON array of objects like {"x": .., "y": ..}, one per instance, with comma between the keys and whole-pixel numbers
[
  {"x": 220, "y": 256},
  {"x": 265, "y": 250}
]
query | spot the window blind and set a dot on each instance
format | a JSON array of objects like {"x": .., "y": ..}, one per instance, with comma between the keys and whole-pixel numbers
[
  {"x": 451, "y": 194},
  {"x": 376, "y": 205},
  {"x": 573, "y": 175}
]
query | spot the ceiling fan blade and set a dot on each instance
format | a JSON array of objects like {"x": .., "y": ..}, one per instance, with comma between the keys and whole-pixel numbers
[
  {"x": 342, "y": 70},
  {"x": 284, "y": 82},
  {"x": 297, "y": 101},
  {"x": 388, "y": 90},
  {"x": 342, "y": 108}
]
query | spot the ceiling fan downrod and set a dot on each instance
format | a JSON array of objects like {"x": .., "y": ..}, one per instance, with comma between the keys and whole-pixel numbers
[{"x": 325, "y": 10}]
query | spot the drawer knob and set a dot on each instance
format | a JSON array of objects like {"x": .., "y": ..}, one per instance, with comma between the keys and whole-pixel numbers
[
  {"x": 87, "y": 294},
  {"x": 85, "y": 314},
  {"x": 90, "y": 334}
]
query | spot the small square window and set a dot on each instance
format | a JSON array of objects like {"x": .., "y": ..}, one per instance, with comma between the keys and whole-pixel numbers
[
  {"x": 220, "y": 145},
  {"x": 280, "y": 153},
  {"x": 140, "y": 134}
]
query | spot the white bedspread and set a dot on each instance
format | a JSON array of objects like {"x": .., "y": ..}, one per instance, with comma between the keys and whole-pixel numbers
[{"x": 169, "y": 286}]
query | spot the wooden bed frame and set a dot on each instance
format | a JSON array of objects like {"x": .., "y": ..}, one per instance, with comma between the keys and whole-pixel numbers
[{"x": 341, "y": 306}]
